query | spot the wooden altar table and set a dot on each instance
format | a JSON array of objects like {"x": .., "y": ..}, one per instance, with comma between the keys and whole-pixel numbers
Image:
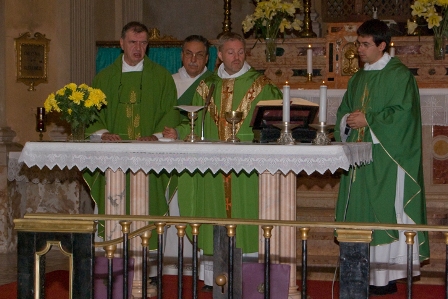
[{"x": 276, "y": 164}]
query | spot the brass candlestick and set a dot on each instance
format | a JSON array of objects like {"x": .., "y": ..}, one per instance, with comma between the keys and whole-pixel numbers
[
  {"x": 307, "y": 24},
  {"x": 226, "y": 24},
  {"x": 309, "y": 77}
]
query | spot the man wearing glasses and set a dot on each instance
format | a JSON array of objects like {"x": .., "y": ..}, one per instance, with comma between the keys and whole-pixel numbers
[
  {"x": 382, "y": 106},
  {"x": 195, "y": 50},
  {"x": 237, "y": 87}
]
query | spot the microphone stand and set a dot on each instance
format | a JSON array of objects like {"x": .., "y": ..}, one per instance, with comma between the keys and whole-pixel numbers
[{"x": 207, "y": 103}]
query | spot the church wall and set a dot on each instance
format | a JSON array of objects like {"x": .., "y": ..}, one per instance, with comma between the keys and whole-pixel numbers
[{"x": 49, "y": 17}]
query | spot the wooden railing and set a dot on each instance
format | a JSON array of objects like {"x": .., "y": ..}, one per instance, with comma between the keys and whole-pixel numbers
[{"x": 75, "y": 235}]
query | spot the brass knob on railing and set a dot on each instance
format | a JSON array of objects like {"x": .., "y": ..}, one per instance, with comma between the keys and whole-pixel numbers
[
  {"x": 145, "y": 238},
  {"x": 160, "y": 227},
  {"x": 231, "y": 230},
  {"x": 125, "y": 226},
  {"x": 410, "y": 237},
  {"x": 181, "y": 230},
  {"x": 304, "y": 232},
  {"x": 267, "y": 231},
  {"x": 195, "y": 228},
  {"x": 221, "y": 280},
  {"x": 110, "y": 250}
]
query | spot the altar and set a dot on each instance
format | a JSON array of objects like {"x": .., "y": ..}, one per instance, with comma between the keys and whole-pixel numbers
[{"x": 276, "y": 164}]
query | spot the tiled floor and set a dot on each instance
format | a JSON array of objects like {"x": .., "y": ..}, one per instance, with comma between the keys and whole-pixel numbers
[{"x": 55, "y": 260}]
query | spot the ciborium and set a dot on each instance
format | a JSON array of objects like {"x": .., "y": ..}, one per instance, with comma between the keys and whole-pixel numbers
[{"x": 233, "y": 117}]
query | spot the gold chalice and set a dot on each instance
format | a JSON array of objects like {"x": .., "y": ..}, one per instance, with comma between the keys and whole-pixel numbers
[{"x": 234, "y": 117}]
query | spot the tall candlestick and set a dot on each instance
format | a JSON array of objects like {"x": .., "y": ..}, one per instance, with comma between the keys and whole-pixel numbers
[
  {"x": 392, "y": 50},
  {"x": 323, "y": 103},
  {"x": 309, "y": 60},
  {"x": 286, "y": 102}
]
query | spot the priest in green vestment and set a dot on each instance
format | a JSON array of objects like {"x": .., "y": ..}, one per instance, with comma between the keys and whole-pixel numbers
[
  {"x": 225, "y": 195},
  {"x": 194, "y": 55},
  {"x": 141, "y": 97},
  {"x": 382, "y": 106}
]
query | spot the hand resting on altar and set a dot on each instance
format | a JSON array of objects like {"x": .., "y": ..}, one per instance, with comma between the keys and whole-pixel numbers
[{"x": 170, "y": 133}]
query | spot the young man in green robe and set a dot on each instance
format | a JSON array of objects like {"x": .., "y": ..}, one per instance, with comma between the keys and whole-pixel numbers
[
  {"x": 382, "y": 106},
  {"x": 234, "y": 195},
  {"x": 141, "y": 96}
]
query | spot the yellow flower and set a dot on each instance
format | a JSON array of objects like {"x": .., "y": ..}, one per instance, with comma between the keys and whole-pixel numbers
[
  {"x": 71, "y": 86},
  {"x": 84, "y": 86},
  {"x": 434, "y": 20},
  {"x": 69, "y": 111},
  {"x": 77, "y": 97}
]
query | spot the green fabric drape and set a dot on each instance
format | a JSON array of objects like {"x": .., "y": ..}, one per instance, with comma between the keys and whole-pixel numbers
[{"x": 166, "y": 57}]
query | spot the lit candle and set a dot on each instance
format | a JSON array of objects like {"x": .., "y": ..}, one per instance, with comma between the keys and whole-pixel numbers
[
  {"x": 392, "y": 50},
  {"x": 323, "y": 103},
  {"x": 309, "y": 60},
  {"x": 286, "y": 102}
]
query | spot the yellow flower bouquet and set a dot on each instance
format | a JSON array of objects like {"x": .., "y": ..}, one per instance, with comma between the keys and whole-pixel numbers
[
  {"x": 77, "y": 104},
  {"x": 272, "y": 17},
  {"x": 434, "y": 13}
]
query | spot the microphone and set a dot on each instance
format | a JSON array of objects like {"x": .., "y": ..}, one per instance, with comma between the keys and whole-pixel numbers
[{"x": 207, "y": 103}]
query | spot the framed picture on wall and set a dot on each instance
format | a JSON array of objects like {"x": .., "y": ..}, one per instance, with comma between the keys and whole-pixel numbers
[{"x": 32, "y": 59}]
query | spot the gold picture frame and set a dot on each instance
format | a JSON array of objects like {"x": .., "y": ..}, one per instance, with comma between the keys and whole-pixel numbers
[{"x": 32, "y": 59}]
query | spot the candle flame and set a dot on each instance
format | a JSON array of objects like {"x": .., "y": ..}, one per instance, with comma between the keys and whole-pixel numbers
[
  {"x": 391, "y": 44},
  {"x": 323, "y": 82},
  {"x": 286, "y": 83},
  {"x": 309, "y": 46}
]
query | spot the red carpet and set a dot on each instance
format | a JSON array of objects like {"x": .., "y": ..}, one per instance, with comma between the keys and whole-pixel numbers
[{"x": 57, "y": 288}]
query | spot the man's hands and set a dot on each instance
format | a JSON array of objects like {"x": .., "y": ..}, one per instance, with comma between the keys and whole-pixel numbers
[
  {"x": 110, "y": 137},
  {"x": 148, "y": 138},
  {"x": 115, "y": 137},
  {"x": 170, "y": 133},
  {"x": 356, "y": 120}
]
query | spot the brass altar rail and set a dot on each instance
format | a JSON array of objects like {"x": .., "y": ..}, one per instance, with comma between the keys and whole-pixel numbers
[{"x": 34, "y": 228}]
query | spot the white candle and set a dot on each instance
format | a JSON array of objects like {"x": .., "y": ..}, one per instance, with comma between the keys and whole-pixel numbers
[
  {"x": 392, "y": 50},
  {"x": 309, "y": 60},
  {"x": 323, "y": 103},
  {"x": 286, "y": 102}
]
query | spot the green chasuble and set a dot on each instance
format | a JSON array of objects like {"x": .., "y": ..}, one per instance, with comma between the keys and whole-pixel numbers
[
  {"x": 208, "y": 195},
  {"x": 391, "y": 102},
  {"x": 138, "y": 104}
]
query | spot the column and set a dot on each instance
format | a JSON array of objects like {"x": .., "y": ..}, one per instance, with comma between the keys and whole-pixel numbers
[
  {"x": 82, "y": 41},
  {"x": 277, "y": 200},
  {"x": 115, "y": 204}
]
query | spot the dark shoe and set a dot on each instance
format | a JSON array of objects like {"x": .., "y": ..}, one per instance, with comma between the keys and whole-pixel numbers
[
  {"x": 391, "y": 288},
  {"x": 207, "y": 289}
]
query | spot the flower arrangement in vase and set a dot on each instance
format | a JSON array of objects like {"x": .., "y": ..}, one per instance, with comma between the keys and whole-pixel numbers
[
  {"x": 271, "y": 18},
  {"x": 434, "y": 12},
  {"x": 77, "y": 105}
]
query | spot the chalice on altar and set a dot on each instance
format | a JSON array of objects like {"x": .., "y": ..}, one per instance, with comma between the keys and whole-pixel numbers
[
  {"x": 233, "y": 117},
  {"x": 40, "y": 122},
  {"x": 192, "y": 137}
]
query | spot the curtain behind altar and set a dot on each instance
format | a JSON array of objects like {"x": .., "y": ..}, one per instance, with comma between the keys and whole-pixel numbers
[{"x": 169, "y": 57}]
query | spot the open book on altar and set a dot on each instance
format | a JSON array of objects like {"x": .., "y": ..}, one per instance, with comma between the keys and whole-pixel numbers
[
  {"x": 270, "y": 112},
  {"x": 266, "y": 113}
]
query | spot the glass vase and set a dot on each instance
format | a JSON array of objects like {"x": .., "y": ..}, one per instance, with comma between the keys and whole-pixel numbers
[
  {"x": 271, "y": 49},
  {"x": 78, "y": 132},
  {"x": 439, "y": 47}
]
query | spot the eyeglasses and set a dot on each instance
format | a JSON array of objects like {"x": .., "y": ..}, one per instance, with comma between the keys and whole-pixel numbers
[
  {"x": 199, "y": 55},
  {"x": 364, "y": 45}
]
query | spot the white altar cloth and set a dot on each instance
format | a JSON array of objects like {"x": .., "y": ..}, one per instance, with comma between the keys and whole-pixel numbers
[{"x": 180, "y": 156}]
